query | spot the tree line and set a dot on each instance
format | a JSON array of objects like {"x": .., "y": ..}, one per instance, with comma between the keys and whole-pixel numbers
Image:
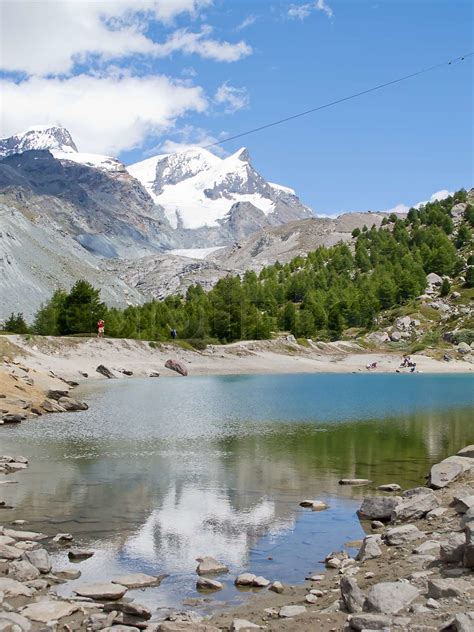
[{"x": 318, "y": 296}]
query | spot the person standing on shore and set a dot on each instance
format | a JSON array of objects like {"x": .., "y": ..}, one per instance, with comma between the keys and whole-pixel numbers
[{"x": 100, "y": 328}]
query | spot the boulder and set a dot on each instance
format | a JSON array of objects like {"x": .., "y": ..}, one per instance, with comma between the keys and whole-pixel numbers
[
  {"x": 390, "y": 597},
  {"x": 204, "y": 583},
  {"x": 277, "y": 587},
  {"x": 70, "y": 404},
  {"x": 79, "y": 554},
  {"x": 367, "y": 621},
  {"x": 468, "y": 452},
  {"x": 132, "y": 608},
  {"x": 28, "y": 536},
  {"x": 68, "y": 574},
  {"x": 104, "y": 591},
  {"x": 452, "y": 549},
  {"x": 351, "y": 594},
  {"x": 138, "y": 580},
  {"x": 39, "y": 558},
  {"x": 245, "y": 579},
  {"x": 22, "y": 571},
  {"x": 14, "y": 618},
  {"x": 430, "y": 547},
  {"x": 48, "y": 610},
  {"x": 106, "y": 372},
  {"x": 291, "y": 611},
  {"x": 378, "y": 507},
  {"x": 462, "y": 622},
  {"x": 463, "y": 503},
  {"x": 434, "y": 279},
  {"x": 13, "y": 588},
  {"x": 444, "y": 588},
  {"x": 242, "y": 625},
  {"x": 56, "y": 394},
  {"x": 395, "y": 336},
  {"x": 463, "y": 348},
  {"x": 444, "y": 473},
  {"x": 52, "y": 406},
  {"x": 389, "y": 487},
  {"x": 13, "y": 418},
  {"x": 209, "y": 566},
  {"x": 175, "y": 365},
  {"x": 370, "y": 548},
  {"x": 8, "y": 552},
  {"x": 415, "y": 504},
  {"x": 397, "y": 536}
]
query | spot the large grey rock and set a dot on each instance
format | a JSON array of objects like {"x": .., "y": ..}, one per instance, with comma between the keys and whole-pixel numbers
[
  {"x": 463, "y": 503},
  {"x": 370, "y": 548},
  {"x": 77, "y": 555},
  {"x": 430, "y": 547},
  {"x": 415, "y": 504},
  {"x": 15, "y": 619},
  {"x": 8, "y": 552},
  {"x": 209, "y": 566},
  {"x": 448, "y": 470},
  {"x": 462, "y": 622},
  {"x": 102, "y": 591},
  {"x": 70, "y": 404},
  {"x": 48, "y": 610},
  {"x": 291, "y": 611},
  {"x": 39, "y": 558},
  {"x": 22, "y": 571},
  {"x": 131, "y": 608},
  {"x": 30, "y": 536},
  {"x": 452, "y": 549},
  {"x": 138, "y": 580},
  {"x": 242, "y": 625},
  {"x": 351, "y": 594},
  {"x": 378, "y": 507},
  {"x": 245, "y": 579},
  {"x": 205, "y": 583},
  {"x": 175, "y": 365},
  {"x": 13, "y": 588},
  {"x": 368, "y": 621},
  {"x": 105, "y": 371},
  {"x": 444, "y": 588},
  {"x": 468, "y": 451},
  {"x": 390, "y": 597},
  {"x": 397, "y": 536}
]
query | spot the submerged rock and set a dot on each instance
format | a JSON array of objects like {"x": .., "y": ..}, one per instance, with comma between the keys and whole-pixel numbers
[{"x": 138, "y": 580}]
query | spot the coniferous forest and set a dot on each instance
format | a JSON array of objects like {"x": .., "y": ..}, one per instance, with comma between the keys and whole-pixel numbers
[{"x": 318, "y": 296}]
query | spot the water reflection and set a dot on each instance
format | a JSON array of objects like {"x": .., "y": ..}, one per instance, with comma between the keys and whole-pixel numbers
[{"x": 153, "y": 477}]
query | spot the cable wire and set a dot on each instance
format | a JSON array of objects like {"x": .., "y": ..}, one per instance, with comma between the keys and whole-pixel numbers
[{"x": 380, "y": 86}]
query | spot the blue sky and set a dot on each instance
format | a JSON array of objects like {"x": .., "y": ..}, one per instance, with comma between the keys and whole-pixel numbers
[{"x": 136, "y": 83}]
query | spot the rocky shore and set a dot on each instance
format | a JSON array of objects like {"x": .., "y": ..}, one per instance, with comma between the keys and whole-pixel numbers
[{"x": 413, "y": 571}]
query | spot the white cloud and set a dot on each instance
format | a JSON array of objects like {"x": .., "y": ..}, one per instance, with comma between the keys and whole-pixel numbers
[
  {"x": 403, "y": 208},
  {"x": 248, "y": 21},
  {"x": 231, "y": 98},
  {"x": 41, "y": 37},
  {"x": 302, "y": 11},
  {"x": 104, "y": 114}
]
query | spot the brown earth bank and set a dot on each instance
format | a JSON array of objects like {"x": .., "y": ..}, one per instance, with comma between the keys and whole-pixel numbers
[
  {"x": 414, "y": 572},
  {"x": 37, "y": 373}
]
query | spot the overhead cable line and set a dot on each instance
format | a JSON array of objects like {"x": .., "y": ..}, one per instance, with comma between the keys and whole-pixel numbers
[{"x": 380, "y": 86}]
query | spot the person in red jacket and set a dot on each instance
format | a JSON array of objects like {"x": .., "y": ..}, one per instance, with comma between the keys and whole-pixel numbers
[{"x": 100, "y": 328}]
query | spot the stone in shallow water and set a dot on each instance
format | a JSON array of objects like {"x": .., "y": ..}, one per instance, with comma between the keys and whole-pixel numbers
[
  {"x": 245, "y": 579},
  {"x": 68, "y": 573},
  {"x": 49, "y": 610},
  {"x": 354, "y": 481},
  {"x": 101, "y": 591},
  {"x": 137, "y": 580},
  {"x": 204, "y": 583},
  {"x": 389, "y": 487},
  {"x": 210, "y": 566},
  {"x": 80, "y": 554}
]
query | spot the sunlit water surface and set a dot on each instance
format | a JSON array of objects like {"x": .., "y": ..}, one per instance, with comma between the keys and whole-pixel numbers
[{"x": 159, "y": 472}]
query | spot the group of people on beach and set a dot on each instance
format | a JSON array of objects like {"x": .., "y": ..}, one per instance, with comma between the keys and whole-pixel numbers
[
  {"x": 407, "y": 363},
  {"x": 101, "y": 330}
]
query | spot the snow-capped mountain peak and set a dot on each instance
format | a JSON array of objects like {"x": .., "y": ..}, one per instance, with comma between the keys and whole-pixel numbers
[
  {"x": 59, "y": 142},
  {"x": 38, "y": 137},
  {"x": 198, "y": 189}
]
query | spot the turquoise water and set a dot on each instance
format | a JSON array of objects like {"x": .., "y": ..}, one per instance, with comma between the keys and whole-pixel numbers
[{"x": 158, "y": 472}]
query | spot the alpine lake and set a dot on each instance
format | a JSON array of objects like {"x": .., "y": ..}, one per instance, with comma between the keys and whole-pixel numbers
[{"x": 159, "y": 472}]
